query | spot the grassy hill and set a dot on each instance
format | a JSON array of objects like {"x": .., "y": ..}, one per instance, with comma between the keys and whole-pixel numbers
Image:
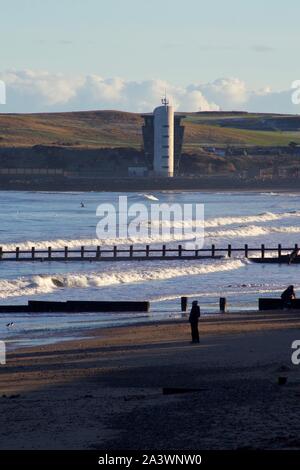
[
  {"x": 85, "y": 129},
  {"x": 240, "y": 129},
  {"x": 102, "y": 129}
]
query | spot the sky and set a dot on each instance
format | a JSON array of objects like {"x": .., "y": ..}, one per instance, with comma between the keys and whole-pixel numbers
[{"x": 95, "y": 54}]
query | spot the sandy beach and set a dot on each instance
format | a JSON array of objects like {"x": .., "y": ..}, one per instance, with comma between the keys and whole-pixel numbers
[{"x": 105, "y": 392}]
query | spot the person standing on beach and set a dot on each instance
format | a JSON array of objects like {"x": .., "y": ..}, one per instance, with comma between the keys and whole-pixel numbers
[{"x": 194, "y": 319}]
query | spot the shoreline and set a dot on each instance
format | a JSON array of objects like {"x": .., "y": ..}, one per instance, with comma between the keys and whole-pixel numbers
[
  {"x": 143, "y": 184},
  {"x": 209, "y": 324},
  {"x": 130, "y": 190},
  {"x": 105, "y": 392},
  {"x": 215, "y": 324},
  {"x": 18, "y": 342}
]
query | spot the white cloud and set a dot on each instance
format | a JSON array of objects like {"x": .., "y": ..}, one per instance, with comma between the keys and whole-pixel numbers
[
  {"x": 2, "y": 92},
  {"x": 229, "y": 93},
  {"x": 41, "y": 91}
]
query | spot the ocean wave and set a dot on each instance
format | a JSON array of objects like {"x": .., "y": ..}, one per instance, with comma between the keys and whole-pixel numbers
[
  {"x": 259, "y": 218},
  {"x": 93, "y": 242},
  {"x": 252, "y": 231},
  {"x": 42, "y": 284},
  {"x": 150, "y": 233},
  {"x": 283, "y": 194},
  {"x": 232, "y": 220}
]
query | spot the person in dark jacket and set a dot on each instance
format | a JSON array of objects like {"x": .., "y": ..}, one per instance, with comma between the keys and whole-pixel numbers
[
  {"x": 194, "y": 319},
  {"x": 287, "y": 296}
]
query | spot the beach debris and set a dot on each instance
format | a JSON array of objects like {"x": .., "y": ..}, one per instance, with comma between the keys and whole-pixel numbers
[
  {"x": 134, "y": 397},
  {"x": 181, "y": 390},
  {"x": 282, "y": 380},
  {"x": 283, "y": 368},
  {"x": 11, "y": 396}
]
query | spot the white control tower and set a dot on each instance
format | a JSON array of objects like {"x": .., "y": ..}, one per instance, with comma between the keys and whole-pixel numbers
[{"x": 164, "y": 140}]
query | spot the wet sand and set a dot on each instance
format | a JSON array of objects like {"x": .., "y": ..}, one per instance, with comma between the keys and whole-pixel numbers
[{"x": 105, "y": 392}]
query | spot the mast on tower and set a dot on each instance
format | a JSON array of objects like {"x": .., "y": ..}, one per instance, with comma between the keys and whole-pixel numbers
[{"x": 165, "y": 100}]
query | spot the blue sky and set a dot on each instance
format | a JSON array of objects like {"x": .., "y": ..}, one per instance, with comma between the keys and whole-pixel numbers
[{"x": 180, "y": 42}]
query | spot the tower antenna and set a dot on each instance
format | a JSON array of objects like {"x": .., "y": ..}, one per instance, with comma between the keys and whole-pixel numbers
[{"x": 165, "y": 100}]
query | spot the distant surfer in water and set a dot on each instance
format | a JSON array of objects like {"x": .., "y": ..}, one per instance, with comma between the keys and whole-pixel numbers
[{"x": 82, "y": 204}]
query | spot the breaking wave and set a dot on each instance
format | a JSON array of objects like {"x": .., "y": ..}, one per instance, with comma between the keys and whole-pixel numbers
[
  {"x": 247, "y": 226},
  {"x": 252, "y": 231},
  {"x": 42, "y": 284},
  {"x": 239, "y": 232},
  {"x": 249, "y": 219},
  {"x": 223, "y": 221},
  {"x": 92, "y": 242}
]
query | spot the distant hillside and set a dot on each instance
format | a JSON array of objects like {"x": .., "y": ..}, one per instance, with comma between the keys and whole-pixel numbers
[
  {"x": 108, "y": 129},
  {"x": 85, "y": 129}
]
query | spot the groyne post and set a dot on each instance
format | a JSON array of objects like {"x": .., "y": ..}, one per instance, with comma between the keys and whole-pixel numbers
[
  {"x": 184, "y": 303},
  {"x": 223, "y": 303}
]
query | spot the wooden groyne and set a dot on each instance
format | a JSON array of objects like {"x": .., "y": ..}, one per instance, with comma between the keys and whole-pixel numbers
[
  {"x": 277, "y": 304},
  {"x": 260, "y": 254},
  {"x": 77, "y": 306},
  {"x": 86, "y": 306}
]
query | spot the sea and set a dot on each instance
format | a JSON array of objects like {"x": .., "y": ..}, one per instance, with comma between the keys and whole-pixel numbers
[{"x": 44, "y": 219}]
